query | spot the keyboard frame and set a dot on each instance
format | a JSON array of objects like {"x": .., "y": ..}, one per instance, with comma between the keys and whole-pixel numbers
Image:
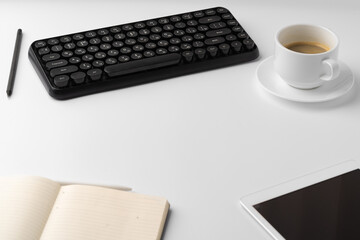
[{"x": 138, "y": 78}]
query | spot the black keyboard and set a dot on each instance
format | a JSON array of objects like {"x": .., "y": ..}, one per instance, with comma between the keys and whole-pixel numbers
[{"x": 126, "y": 55}]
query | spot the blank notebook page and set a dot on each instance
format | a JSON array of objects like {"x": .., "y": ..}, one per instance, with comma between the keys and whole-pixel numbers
[
  {"x": 93, "y": 213},
  {"x": 25, "y": 205}
]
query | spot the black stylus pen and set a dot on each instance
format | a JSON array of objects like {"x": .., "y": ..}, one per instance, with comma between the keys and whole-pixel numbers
[{"x": 14, "y": 63}]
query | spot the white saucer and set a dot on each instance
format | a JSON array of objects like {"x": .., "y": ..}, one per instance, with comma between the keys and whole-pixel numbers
[{"x": 274, "y": 84}]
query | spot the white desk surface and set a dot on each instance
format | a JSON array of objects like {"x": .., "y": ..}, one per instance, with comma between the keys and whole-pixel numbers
[{"x": 202, "y": 141}]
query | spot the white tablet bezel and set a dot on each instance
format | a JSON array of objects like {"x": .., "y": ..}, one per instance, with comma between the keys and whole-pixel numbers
[{"x": 249, "y": 201}]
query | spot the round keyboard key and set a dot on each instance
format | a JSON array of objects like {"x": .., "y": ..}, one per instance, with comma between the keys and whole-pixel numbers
[
  {"x": 82, "y": 43},
  {"x": 192, "y": 23},
  {"x": 85, "y": 66},
  {"x": 180, "y": 25},
  {"x": 185, "y": 46},
  {"x": 167, "y": 35},
  {"x": 100, "y": 55},
  {"x": 61, "y": 81},
  {"x": 143, "y": 39},
  {"x": 110, "y": 61},
  {"x": 118, "y": 44},
  {"x": 70, "y": 46},
  {"x": 80, "y": 51},
  {"x": 57, "y": 48},
  {"x": 187, "y": 16},
  {"x": 175, "y": 19},
  {"x": 127, "y": 27},
  {"x": 120, "y": 36},
  {"x": 53, "y": 41},
  {"x": 151, "y": 23},
  {"x": 187, "y": 38},
  {"x": 175, "y": 41},
  {"x": 130, "y": 41},
  {"x": 65, "y": 39},
  {"x": 124, "y": 58},
  {"x": 210, "y": 12},
  {"x": 156, "y": 29},
  {"x": 179, "y": 32},
  {"x": 249, "y": 43},
  {"x": 222, "y": 10},
  {"x": 227, "y": 16},
  {"x": 200, "y": 53},
  {"x": 164, "y": 21},
  {"x": 125, "y": 50},
  {"x": 236, "y": 45},
  {"x": 198, "y": 44},
  {"x": 150, "y": 45},
  {"x": 203, "y": 28},
  {"x": 67, "y": 53},
  {"x": 144, "y": 32},
  {"x": 149, "y": 53},
  {"x": 155, "y": 37},
  {"x": 95, "y": 41},
  {"x": 74, "y": 60},
  {"x": 168, "y": 27},
  {"x": 90, "y": 34},
  {"x": 138, "y": 48},
  {"x": 212, "y": 50},
  {"x": 237, "y": 29},
  {"x": 230, "y": 37},
  {"x": 199, "y": 36},
  {"x": 136, "y": 56},
  {"x": 242, "y": 35},
  {"x": 105, "y": 46},
  {"x": 78, "y": 77},
  {"x": 163, "y": 43},
  {"x": 98, "y": 63},
  {"x": 232, "y": 23},
  {"x": 107, "y": 39},
  {"x": 92, "y": 49},
  {"x": 40, "y": 44},
  {"x": 191, "y": 30},
  {"x": 132, "y": 34},
  {"x": 161, "y": 51},
  {"x": 95, "y": 74},
  {"x": 224, "y": 48},
  {"x": 103, "y": 32},
  {"x": 78, "y": 37},
  {"x": 188, "y": 55},
  {"x": 199, "y": 14},
  {"x": 115, "y": 29},
  {"x": 44, "y": 51},
  {"x": 173, "y": 49},
  {"x": 139, "y": 25},
  {"x": 87, "y": 58},
  {"x": 51, "y": 57},
  {"x": 113, "y": 53}
]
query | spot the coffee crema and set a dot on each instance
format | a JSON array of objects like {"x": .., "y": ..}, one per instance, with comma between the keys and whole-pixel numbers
[{"x": 307, "y": 47}]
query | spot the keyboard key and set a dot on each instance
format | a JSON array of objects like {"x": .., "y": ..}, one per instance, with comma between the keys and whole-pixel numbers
[
  {"x": 213, "y": 41},
  {"x": 143, "y": 64},
  {"x": 94, "y": 74},
  {"x": 56, "y": 64},
  {"x": 43, "y": 51},
  {"x": 51, "y": 57},
  {"x": 219, "y": 32},
  {"x": 63, "y": 70},
  {"x": 209, "y": 19},
  {"x": 78, "y": 77},
  {"x": 61, "y": 81}
]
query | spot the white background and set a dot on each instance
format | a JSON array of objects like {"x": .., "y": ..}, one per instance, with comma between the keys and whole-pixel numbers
[{"x": 202, "y": 141}]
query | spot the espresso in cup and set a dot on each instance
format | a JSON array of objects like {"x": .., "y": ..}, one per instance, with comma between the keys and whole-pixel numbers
[
  {"x": 308, "y": 47},
  {"x": 306, "y": 55}
]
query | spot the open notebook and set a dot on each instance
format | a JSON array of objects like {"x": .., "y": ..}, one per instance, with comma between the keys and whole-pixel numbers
[{"x": 35, "y": 208}]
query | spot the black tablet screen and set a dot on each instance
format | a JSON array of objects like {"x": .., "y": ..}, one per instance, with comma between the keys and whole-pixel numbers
[{"x": 324, "y": 211}]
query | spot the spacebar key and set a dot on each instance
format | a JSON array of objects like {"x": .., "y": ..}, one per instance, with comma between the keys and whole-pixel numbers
[{"x": 143, "y": 64}]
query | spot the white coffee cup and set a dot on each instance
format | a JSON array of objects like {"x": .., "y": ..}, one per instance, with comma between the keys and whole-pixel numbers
[{"x": 306, "y": 70}]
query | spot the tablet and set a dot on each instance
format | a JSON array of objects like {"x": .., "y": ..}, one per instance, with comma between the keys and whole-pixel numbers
[{"x": 321, "y": 205}]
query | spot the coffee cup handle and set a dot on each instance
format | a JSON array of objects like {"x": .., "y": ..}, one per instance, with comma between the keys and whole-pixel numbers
[{"x": 333, "y": 65}]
